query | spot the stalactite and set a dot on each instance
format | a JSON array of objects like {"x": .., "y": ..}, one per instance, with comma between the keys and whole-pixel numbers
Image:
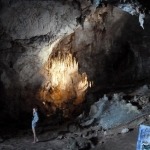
[{"x": 64, "y": 82}]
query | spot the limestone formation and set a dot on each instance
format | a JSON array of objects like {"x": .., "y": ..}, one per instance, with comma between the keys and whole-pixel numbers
[{"x": 111, "y": 49}]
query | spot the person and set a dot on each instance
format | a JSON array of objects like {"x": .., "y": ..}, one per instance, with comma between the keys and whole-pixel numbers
[
  {"x": 141, "y": 18},
  {"x": 34, "y": 124}
]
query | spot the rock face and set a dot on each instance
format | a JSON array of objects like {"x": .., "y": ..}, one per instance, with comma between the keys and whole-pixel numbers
[
  {"x": 110, "y": 47},
  {"x": 28, "y": 32},
  {"x": 111, "y": 113}
]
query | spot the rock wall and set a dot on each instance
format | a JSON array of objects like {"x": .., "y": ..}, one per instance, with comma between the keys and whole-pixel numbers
[
  {"x": 109, "y": 46},
  {"x": 28, "y": 31},
  {"x": 112, "y": 48}
]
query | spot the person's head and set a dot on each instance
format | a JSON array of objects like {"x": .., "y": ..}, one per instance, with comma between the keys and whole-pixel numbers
[{"x": 34, "y": 109}]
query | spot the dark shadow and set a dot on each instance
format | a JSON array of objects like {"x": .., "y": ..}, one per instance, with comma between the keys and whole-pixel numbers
[
  {"x": 2, "y": 141},
  {"x": 47, "y": 140}
]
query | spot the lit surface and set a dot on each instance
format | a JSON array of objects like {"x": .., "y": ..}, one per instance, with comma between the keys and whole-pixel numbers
[{"x": 64, "y": 84}]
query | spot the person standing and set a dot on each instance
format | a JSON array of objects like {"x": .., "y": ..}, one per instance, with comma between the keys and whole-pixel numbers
[
  {"x": 34, "y": 124},
  {"x": 141, "y": 18}
]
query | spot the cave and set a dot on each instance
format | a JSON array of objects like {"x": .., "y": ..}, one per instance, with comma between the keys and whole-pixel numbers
[{"x": 84, "y": 64}]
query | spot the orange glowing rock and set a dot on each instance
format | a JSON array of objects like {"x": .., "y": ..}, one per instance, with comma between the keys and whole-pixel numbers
[{"x": 64, "y": 84}]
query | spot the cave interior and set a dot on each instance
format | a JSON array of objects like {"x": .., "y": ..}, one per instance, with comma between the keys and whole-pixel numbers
[{"x": 82, "y": 63}]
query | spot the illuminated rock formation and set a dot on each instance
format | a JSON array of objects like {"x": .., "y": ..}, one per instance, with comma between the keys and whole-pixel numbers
[
  {"x": 64, "y": 85},
  {"x": 112, "y": 50}
]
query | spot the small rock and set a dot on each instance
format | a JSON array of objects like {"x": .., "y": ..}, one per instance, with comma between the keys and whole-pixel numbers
[
  {"x": 88, "y": 122},
  {"x": 125, "y": 130},
  {"x": 116, "y": 96},
  {"x": 105, "y": 133},
  {"x": 60, "y": 137}
]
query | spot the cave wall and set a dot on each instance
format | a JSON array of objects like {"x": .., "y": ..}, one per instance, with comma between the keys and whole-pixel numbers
[
  {"x": 28, "y": 31},
  {"x": 112, "y": 48}
]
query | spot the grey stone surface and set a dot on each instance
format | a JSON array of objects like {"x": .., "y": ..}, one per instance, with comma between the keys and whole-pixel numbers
[
  {"x": 117, "y": 114},
  {"x": 112, "y": 113},
  {"x": 24, "y": 20}
]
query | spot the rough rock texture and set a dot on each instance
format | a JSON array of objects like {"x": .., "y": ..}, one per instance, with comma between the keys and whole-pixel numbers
[
  {"x": 111, "y": 47},
  {"x": 111, "y": 113},
  {"x": 27, "y": 31},
  {"x": 59, "y": 138},
  {"x": 118, "y": 113}
]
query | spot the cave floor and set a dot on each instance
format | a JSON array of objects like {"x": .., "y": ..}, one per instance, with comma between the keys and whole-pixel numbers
[
  {"x": 49, "y": 139},
  {"x": 125, "y": 141}
]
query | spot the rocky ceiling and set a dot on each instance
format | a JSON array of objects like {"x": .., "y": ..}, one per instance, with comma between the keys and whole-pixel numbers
[{"x": 104, "y": 48}]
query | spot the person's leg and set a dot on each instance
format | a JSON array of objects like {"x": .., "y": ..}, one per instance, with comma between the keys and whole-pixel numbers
[
  {"x": 36, "y": 139},
  {"x": 34, "y": 134},
  {"x": 141, "y": 23}
]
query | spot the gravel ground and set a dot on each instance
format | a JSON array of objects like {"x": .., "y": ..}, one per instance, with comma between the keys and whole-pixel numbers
[{"x": 125, "y": 141}]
